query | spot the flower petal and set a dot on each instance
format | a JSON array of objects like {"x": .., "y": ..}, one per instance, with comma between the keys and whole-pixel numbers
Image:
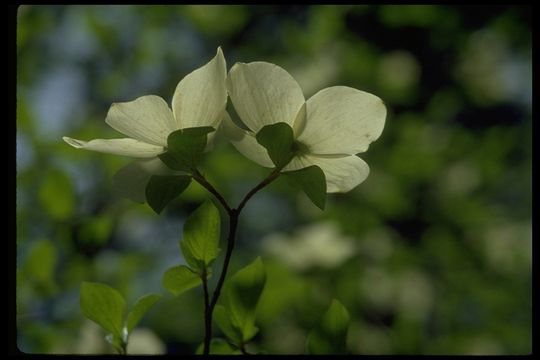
[
  {"x": 131, "y": 180},
  {"x": 127, "y": 147},
  {"x": 342, "y": 120},
  {"x": 246, "y": 143},
  {"x": 300, "y": 121},
  {"x": 201, "y": 96},
  {"x": 342, "y": 173},
  {"x": 147, "y": 119},
  {"x": 264, "y": 94}
]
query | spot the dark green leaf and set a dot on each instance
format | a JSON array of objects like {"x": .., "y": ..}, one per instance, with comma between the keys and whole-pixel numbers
[
  {"x": 278, "y": 140},
  {"x": 330, "y": 337},
  {"x": 103, "y": 305},
  {"x": 310, "y": 180},
  {"x": 140, "y": 308},
  {"x": 185, "y": 147},
  {"x": 173, "y": 163},
  {"x": 180, "y": 279},
  {"x": 161, "y": 190},
  {"x": 201, "y": 236}
]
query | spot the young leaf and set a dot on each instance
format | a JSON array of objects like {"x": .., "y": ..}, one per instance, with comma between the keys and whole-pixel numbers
[
  {"x": 179, "y": 279},
  {"x": 278, "y": 140},
  {"x": 242, "y": 295},
  {"x": 330, "y": 337},
  {"x": 312, "y": 181},
  {"x": 103, "y": 305},
  {"x": 223, "y": 320},
  {"x": 117, "y": 342},
  {"x": 248, "y": 283},
  {"x": 161, "y": 190},
  {"x": 140, "y": 308},
  {"x": 185, "y": 147},
  {"x": 201, "y": 236}
]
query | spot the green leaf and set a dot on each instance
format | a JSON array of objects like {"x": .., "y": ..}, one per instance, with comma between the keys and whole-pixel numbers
[
  {"x": 201, "y": 236},
  {"x": 140, "y": 308},
  {"x": 223, "y": 320},
  {"x": 248, "y": 283},
  {"x": 103, "y": 305},
  {"x": 310, "y": 180},
  {"x": 185, "y": 147},
  {"x": 161, "y": 190},
  {"x": 242, "y": 294},
  {"x": 179, "y": 279},
  {"x": 172, "y": 162},
  {"x": 330, "y": 337},
  {"x": 278, "y": 139},
  {"x": 219, "y": 347}
]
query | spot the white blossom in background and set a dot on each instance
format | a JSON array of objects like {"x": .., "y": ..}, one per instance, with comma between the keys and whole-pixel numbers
[
  {"x": 319, "y": 245},
  {"x": 143, "y": 341},
  {"x": 199, "y": 100},
  {"x": 329, "y": 128},
  {"x": 91, "y": 341}
]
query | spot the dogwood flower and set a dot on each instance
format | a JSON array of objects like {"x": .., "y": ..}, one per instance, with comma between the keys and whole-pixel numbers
[
  {"x": 329, "y": 128},
  {"x": 199, "y": 100}
]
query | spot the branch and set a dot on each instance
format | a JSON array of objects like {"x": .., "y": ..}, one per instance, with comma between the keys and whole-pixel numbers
[
  {"x": 233, "y": 225},
  {"x": 273, "y": 176},
  {"x": 198, "y": 177}
]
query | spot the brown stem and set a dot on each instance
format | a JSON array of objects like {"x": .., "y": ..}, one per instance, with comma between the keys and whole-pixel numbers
[
  {"x": 233, "y": 225},
  {"x": 273, "y": 176}
]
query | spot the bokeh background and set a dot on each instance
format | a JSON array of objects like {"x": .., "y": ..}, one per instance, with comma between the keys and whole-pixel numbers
[{"x": 431, "y": 254}]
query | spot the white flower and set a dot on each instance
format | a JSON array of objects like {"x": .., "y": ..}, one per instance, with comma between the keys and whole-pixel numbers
[
  {"x": 329, "y": 129},
  {"x": 199, "y": 100}
]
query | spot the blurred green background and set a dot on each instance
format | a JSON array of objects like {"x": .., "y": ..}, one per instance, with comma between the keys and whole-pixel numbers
[{"x": 431, "y": 254}]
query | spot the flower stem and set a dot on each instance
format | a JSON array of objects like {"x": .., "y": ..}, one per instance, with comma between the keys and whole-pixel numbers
[
  {"x": 233, "y": 224},
  {"x": 198, "y": 177},
  {"x": 234, "y": 214},
  {"x": 273, "y": 176}
]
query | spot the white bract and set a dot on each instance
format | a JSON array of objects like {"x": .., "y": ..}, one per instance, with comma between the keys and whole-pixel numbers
[
  {"x": 329, "y": 129},
  {"x": 199, "y": 100}
]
